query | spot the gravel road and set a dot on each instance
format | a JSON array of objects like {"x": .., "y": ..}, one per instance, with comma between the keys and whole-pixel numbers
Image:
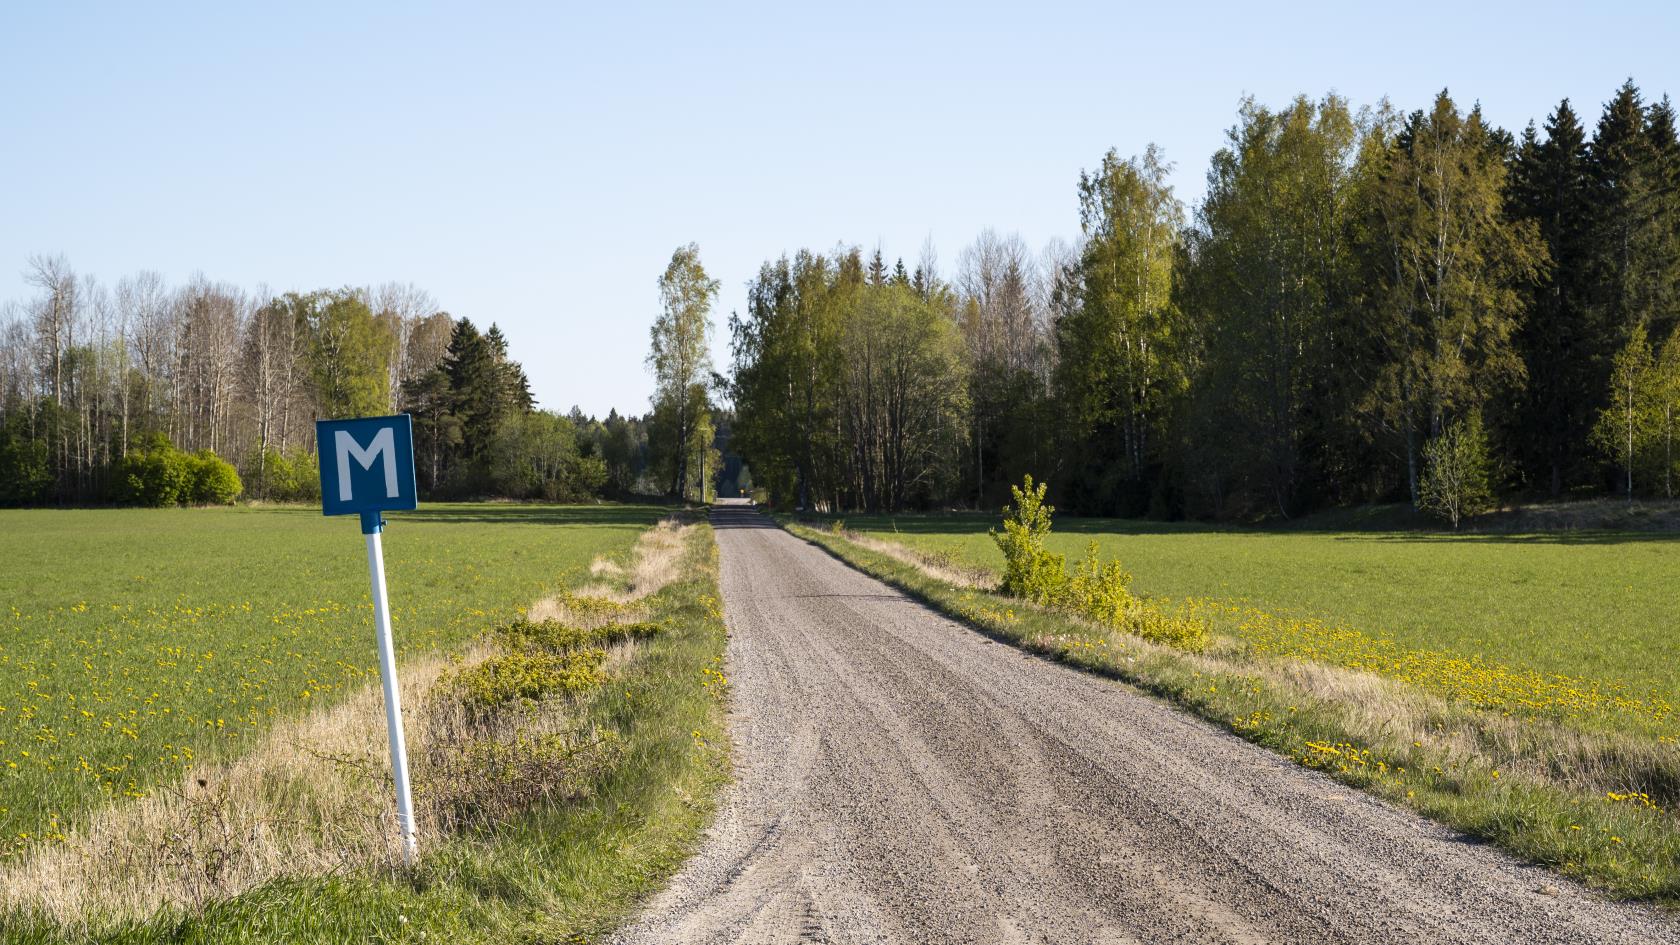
[{"x": 902, "y": 779}]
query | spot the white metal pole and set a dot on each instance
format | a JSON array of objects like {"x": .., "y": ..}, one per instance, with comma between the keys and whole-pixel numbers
[{"x": 393, "y": 700}]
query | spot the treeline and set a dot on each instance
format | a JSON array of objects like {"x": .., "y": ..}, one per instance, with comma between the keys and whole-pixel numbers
[
  {"x": 140, "y": 393},
  {"x": 851, "y": 385},
  {"x": 1355, "y": 286},
  {"x": 477, "y": 431}
]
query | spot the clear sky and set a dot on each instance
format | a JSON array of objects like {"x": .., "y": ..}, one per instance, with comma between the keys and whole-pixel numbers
[{"x": 535, "y": 165}]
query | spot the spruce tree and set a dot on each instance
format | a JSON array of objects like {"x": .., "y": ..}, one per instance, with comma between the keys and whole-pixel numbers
[
  {"x": 437, "y": 432},
  {"x": 1626, "y": 265},
  {"x": 877, "y": 268},
  {"x": 515, "y": 386},
  {"x": 900, "y": 277},
  {"x": 1663, "y": 238},
  {"x": 475, "y": 388},
  {"x": 1549, "y": 185}
]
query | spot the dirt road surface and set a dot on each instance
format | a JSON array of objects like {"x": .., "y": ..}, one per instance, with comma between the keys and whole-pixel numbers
[{"x": 902, "y": 779}]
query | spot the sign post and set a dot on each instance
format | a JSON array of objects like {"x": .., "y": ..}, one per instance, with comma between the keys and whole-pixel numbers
[{"x": 367, "y": 467}]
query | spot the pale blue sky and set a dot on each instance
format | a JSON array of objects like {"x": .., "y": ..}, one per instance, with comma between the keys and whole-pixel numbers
[{"x": 535, "y": 165}]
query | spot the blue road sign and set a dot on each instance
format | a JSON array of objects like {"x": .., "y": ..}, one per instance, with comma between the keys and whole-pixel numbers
[{"x": 367, "y": 466}]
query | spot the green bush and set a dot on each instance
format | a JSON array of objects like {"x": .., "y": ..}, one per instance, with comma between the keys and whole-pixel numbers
[
  {"x": 1098, "y": 590},
  {"x": 211, "y": 480},
  {"x": 153, "y": 474},
  {"x": 1030, "y": 571},
  {"x": 527, "y": 676},
  {"x": 1174, "y": 630},
  {"x": 552, "y": 636},
  {"x": 25, "y": 473},
  {"x": 284, "y": 478}
]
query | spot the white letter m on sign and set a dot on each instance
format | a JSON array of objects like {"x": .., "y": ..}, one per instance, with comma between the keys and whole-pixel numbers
[{"x": 384, "y": 444}]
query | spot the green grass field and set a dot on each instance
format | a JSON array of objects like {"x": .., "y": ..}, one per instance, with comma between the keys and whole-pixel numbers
[
  {"x": 1587, "y": 604},
  {"x": 137, "y": 643}
]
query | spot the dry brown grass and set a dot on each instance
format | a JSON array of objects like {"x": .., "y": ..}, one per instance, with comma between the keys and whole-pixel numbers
[
  {"x": 939, "y": 567},
  {"x": 314, "y": 796},
  {"x": 476, "y": 770},
  {"x": 655, "y": 562},
  {"x": 1380, "y": 711},
  {"x": 1375, "y": 710}
]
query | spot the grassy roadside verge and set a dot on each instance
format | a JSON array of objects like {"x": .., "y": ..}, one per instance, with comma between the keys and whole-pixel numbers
[
  {"x": 1592, "y": 604},
  {"x": 1532, "y": 785},
  {"x": 540, "y": 833}
]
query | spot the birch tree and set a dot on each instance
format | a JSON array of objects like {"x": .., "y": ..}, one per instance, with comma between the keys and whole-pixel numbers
[
  {"x": 1626, "y": 425},
  {"x": 680, "y": 355},
  {"x": 1455, "y": 475},
  {"x": 1116, "y": 369},
  {"x": 1273, "y": 262}
]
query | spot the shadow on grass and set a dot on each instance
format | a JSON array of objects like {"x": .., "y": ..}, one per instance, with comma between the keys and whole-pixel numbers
[
  {"x": 978, "y": 523},
  {"x": 1380, "y": 525},
  {"x": 511, "y": 513},
  {"x": 1595, "y": 537}
]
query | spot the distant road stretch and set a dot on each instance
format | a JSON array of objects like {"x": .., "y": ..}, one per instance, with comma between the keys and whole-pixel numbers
[{"x": 902, "y": 779}]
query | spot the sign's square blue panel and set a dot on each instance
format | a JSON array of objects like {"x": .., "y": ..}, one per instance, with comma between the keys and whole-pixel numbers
[{"x": 367, "y": 464}]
